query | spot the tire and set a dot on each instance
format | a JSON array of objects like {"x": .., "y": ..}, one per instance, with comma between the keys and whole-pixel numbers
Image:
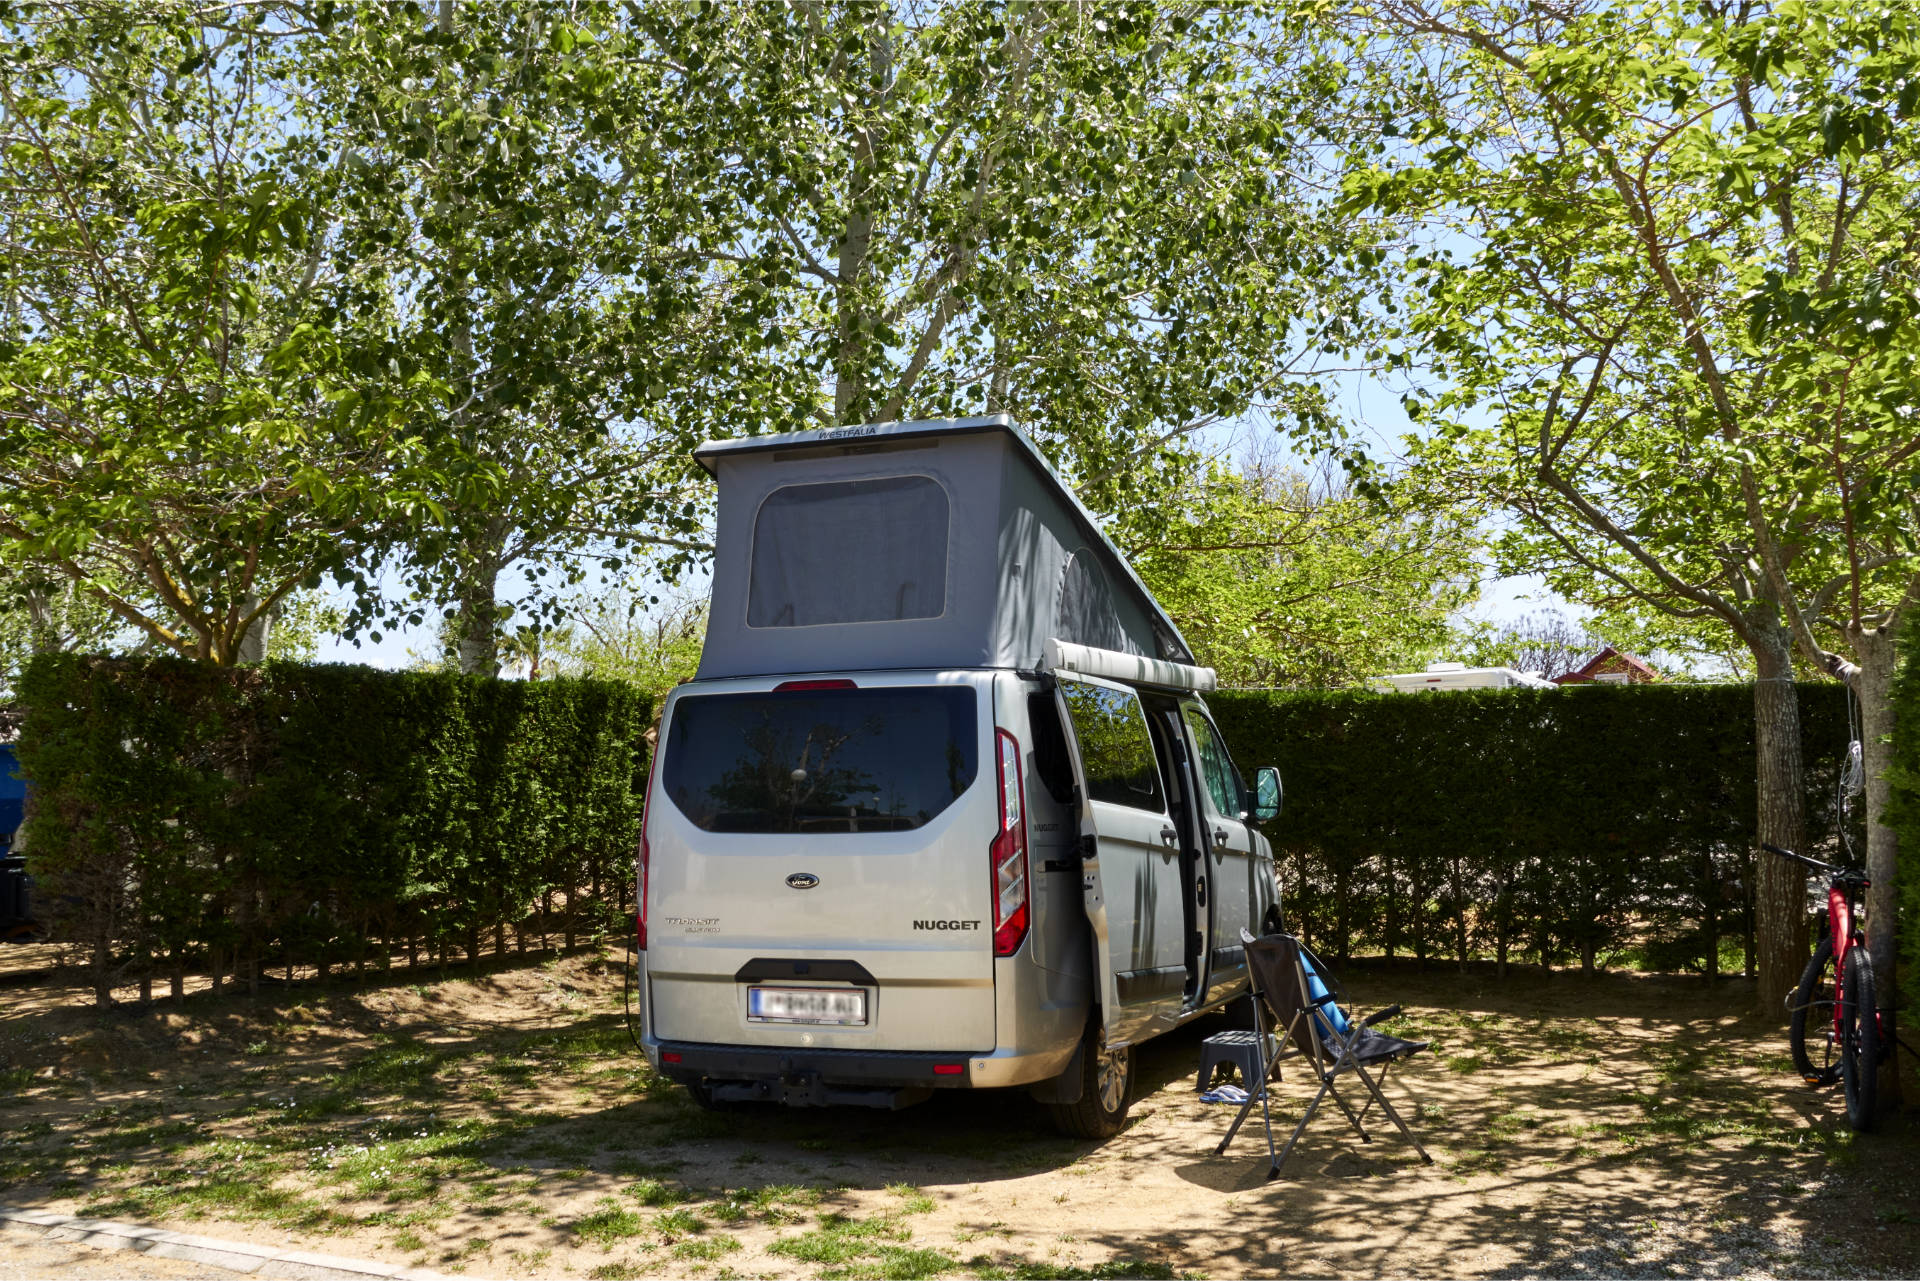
[
  {"x": 1813, "y": 1005},
  {"x": 1106, "y": 1088},
  {"x": 1860, "y": 1041}
]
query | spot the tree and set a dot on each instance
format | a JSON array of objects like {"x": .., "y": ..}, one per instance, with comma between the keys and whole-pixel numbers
[
  {"x": 1099, "y": 218},
  {"x": 193, "y": 430},
  {"x": 38, "y": 616},
  {"x": 1545, "y": 642},
  {"x": 626, "y": 634},
  {"x": 1650, "y": 352},
  {"x": 1279, "y": 578},
  {"x": 523, "y": 187}
]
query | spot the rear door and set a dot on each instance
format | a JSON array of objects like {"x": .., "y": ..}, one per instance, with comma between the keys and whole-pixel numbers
[
  {"x": 813, "y": 839},
  {"x": 1131, "y": 880}
]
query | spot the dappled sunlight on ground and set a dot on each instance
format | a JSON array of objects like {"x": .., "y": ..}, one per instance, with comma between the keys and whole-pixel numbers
[{"x": 503, "y": 1124}]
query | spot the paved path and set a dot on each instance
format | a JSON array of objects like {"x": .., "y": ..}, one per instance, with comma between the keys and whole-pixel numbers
[
  {"x": 37, "y": 1244},
  {"x": 25, "y": 1255}
]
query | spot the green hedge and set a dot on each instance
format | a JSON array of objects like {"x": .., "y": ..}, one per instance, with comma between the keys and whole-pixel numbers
[
  {"x": 1590, "y": 824},
  {"x": 188, "y": 816}
]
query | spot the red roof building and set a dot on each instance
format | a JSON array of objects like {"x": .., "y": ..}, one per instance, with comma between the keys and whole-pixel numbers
[{"x": 1610, "y": 667}]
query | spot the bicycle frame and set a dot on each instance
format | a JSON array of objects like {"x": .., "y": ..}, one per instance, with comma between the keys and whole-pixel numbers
[
  {"x": 1840, "y": 928},
  {"x": 1842, "y": 923}
]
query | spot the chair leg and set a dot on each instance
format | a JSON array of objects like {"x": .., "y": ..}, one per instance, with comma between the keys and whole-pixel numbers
[
  {"x": 1352, "y": 1119},
  {"x": 1295, "y": 1136},
  {"x": 1235, "y": 1127},
  {"x": 1266, "y": 1075},
  {"x": 1391, "y": 1114}
]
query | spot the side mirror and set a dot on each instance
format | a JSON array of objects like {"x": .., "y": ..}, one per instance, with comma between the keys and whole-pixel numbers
[{"x": 1266, "y": 794}]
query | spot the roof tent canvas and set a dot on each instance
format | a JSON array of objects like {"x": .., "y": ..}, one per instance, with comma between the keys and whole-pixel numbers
[{"x": 948, "y": 543}]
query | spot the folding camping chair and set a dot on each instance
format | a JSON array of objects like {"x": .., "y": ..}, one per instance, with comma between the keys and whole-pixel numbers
[{"x": 1289, "y": 984}]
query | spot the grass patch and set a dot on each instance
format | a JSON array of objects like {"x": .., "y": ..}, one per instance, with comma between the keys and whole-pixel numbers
[
  {"x": 841, "y": 1239},
  {"x": 712, "y": 1247},
  {"x": 893, "y": 1264},
  {"x": 181, "y": 1196},
  {"x": 678, "y": 1223},
  {"x": 608, "y": 1223},
  {"x": 655, "y": 1194},
  {"x": 912, "y": 1199}
]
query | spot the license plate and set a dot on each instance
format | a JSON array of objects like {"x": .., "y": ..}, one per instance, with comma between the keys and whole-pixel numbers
[{"x": 806, "y": 1005}]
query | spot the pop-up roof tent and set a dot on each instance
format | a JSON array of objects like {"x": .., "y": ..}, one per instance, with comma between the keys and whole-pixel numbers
[{"x": 948, "y": 543}]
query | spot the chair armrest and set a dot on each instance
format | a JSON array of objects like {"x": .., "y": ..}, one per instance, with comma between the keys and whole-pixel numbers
[{"x": 1380, "y": 1016}]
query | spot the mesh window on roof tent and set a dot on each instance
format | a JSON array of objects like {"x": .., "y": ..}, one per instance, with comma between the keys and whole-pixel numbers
[{"x": 858, "y": 551}]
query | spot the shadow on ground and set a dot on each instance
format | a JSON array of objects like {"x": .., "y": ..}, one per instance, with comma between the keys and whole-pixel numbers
[{"x": 1613, "y": 1126}]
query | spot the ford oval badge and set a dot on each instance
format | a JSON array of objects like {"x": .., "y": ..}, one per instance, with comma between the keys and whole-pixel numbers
[{"x": 803, "y": 880}]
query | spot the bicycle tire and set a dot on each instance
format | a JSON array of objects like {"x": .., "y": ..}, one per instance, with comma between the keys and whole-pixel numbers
[
  {"x": 1813, "y": 1001},
  {"x": 1860, "y": 1041}
]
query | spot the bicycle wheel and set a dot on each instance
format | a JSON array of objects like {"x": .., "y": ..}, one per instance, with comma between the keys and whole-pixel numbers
[
  {"x": 1859, "y": 1040},
  {"x": 1813, "y": 1004}
]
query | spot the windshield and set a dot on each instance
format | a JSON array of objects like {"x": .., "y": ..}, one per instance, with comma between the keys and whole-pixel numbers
[{"x": 840, "y": 760}]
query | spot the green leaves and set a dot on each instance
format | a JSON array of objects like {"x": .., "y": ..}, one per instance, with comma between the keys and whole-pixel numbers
[
  {"x": 1689, "y": 314},
  {"x": 196, "y": 428},
  {"x": 184, "y": 808},
  {"x": 1554, "y": 823}
]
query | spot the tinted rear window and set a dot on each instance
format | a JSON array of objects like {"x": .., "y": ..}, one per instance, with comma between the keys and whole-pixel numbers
[{"x": 845, "y": 760}]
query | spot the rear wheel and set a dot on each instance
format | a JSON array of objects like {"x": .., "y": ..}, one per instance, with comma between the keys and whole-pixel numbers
[
  {"x": 1859, "y": 1040},
  {"x": 1812, "y": 1015},
  {"x": 1106, "y": 1080}
]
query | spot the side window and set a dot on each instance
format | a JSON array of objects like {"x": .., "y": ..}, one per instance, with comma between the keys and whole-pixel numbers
[
  {"x": 1223, "y": 781},
  {"x": 1050, "y": 747},
  {"x": 1114, "y": 747}
]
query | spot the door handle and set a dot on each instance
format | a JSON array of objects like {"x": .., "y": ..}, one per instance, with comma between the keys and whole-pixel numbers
[
  {"x": 1220, "y": 837},
  {"x": 1168, "y": 836}
]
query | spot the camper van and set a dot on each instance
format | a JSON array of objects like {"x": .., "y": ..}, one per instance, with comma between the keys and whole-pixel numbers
[{"x": 943, "y": 807}]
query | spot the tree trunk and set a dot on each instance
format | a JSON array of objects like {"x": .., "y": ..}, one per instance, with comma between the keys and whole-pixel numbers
[
  {"x": 1873, "y": 649},
  {"x": 42, "y": 636},
  {"x": 477, "y": 646},
  {"x": 253, "y": 644},
  {"x": 1710, "y": 917},
  {"x": 854, "y": 303},
  {"x": 1780, "y": 892}
]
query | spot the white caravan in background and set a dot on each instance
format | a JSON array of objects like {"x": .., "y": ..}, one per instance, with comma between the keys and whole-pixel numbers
[
  {"x": 943, "y": 807},
  {"x": 1444, "y": 676}
]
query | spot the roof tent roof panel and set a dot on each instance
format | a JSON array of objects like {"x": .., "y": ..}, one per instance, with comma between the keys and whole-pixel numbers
[{"x": 948, "y": 543}]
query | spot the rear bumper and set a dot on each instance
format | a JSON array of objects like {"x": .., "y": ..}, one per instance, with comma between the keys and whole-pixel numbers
[{"x": 784, "y": 1074}]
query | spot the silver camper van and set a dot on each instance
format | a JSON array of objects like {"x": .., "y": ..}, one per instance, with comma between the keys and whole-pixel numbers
[{"x": 943, "y": 807}]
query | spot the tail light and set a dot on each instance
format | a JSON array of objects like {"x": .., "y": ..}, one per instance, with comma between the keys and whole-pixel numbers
[
  {"x": 1008, "y": 853},
  {"x": 645, "y": 861}
]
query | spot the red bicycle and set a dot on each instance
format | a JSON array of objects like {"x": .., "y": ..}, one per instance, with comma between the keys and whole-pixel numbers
[{"x": 1836, "y": 997}]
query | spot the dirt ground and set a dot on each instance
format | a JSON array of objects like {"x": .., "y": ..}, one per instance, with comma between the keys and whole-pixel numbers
[{"x": 502, "y": 1125}]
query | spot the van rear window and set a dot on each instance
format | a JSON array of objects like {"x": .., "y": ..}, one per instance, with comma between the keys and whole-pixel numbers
[{"x": 841, "y": 760}]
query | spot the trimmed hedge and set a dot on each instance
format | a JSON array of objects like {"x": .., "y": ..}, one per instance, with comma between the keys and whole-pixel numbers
[
  {"x": 1585, "y": 824},
  {"x": 192, "y": 817},
  {"x": 189, "y": 816}
]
